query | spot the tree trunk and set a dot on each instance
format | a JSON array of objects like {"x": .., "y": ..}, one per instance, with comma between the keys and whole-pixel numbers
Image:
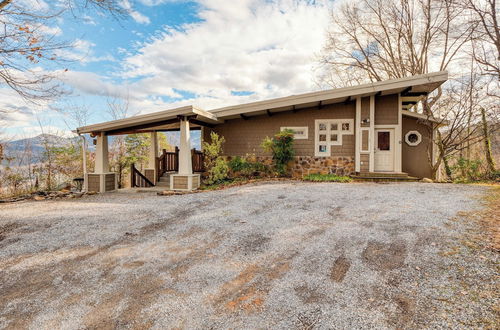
[{"x": 487, "y": 143}]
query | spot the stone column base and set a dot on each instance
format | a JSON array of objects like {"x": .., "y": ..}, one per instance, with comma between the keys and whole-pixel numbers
[
  {"x": 184, "y": 182},
  {"x": 101, "y": 182}
]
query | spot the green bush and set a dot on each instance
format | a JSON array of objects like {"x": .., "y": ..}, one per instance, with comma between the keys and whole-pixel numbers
[
  {"x": 467, "y": 170},
  {"x": 281, "y": 147},
  {"x": 326, "y": 178},
  {"x": 244, "y": 167},
  {"x": 216, "y": 166}
]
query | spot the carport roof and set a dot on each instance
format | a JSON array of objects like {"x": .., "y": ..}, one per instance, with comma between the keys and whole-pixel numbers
[{"x": 412, "y": 90}]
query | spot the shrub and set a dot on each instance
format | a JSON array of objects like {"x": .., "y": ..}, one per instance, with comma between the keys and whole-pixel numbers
[
  {"x": 215, "y": 164},
  {"x": 245, "y": 167},
  {"x": 281, "y": 147},
  {"x": 326, "y": 178},
  {"x": 467, "y": 170}
]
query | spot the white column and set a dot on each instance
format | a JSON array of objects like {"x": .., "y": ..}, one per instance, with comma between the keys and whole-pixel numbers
[
  {"x": 185, "y": 166},
  {"x": 153, "y": 151},
  {"x": 398, "y": 164},
  {"x": 101, "y": 154},
  {"x": 357, "y": 137}
]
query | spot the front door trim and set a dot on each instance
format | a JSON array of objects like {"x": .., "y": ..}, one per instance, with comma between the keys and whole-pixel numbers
[{"x": 392, "y": 149}]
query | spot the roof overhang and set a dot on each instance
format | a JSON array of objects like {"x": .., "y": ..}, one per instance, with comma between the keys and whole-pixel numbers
[
  {"x": 162, "y": 120},
  {"x": 412, "y": 90}
]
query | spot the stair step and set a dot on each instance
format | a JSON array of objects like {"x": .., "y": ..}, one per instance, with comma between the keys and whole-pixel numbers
[
  {"x": 163, "y": 184},
  {"x": 385, "y": 178},
  {"x": 383, "y": 174},
  {"x": 164, "y": 179}
]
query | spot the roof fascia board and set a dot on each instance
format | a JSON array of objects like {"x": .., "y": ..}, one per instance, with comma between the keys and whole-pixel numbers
[{"x": 345, "y": 92}]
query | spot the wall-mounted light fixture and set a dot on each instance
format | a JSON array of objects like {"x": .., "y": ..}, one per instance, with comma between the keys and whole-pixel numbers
[{"x": 366, "y": 121}]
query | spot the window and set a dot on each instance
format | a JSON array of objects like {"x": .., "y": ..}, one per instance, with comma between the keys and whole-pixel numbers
[
  {"x": 329, "y": 132},
  {"x": 299, "y": 133},
  {"x": 413, "y": 138},
  {"x": 384, "y": 140}
]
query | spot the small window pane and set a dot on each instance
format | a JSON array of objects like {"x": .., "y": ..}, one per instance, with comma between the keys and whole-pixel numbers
[
  {"x": 322, "y": 127},
  {"x": 345, "y": 126},
  {"x": 334, "y": 127},
  {"x": 322, "y": 148},
  {"x": 413, "y": 138},
  {"x": 322, "y": 137},
  {"x": 334, "y": 138},
  {"x": 384, "y": 140}
]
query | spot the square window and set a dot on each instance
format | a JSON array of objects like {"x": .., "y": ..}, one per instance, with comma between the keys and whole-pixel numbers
[
  {"x": 345, "y": 126},
  {"x": 322, "y": 127},
  {"x": 334, "y": 137},
  {"x": 322, "y": 137},
  {"x": 334, "y": 127},
  {"x": 322, "y": 148}
]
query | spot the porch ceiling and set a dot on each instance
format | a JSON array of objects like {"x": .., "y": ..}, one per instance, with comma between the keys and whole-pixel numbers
[{"x": 157, "y": 121}]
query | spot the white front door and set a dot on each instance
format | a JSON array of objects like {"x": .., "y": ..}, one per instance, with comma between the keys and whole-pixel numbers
[{"x": 384, "y": 150}]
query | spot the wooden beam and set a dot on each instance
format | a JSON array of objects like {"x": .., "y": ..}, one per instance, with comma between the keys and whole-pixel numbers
[
  {"x": 243, "y": 116},
  {"x": 201, "y": 123},
  {"x": 415, "y": 94},
  {"x": 177, "y": 130},
  {"x": 378, "y": 93},
  {"x": 294, "y": 109},
  {"x": 131, "y": 129},
  {"x": 269, "y": 113},
  {"x": 347, "y": 100},
  {"x": 320, "y": 105},
  {"x": 409, "y": 102},
  {"x": 406, "y": 90}
]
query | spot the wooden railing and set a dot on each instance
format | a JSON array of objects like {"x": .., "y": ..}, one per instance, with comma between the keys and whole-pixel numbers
[
  {"x": 197, "y": 160},
  {"x": 167, "y": 162},
  {"x": 137, "y": 179}
]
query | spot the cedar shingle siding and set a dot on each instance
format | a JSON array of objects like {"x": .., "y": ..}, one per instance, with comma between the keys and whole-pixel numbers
[{"x": 245, "y": 136}]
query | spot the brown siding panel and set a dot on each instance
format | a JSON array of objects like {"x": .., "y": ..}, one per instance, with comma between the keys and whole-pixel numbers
[
  {"x": 245, "y": 136},
  {"x": 415, "y": 159},
  {"x": 365, "y": 162},
  {"x": 94, "y": 182},
  {"x": 364, "y": 140},
  {"x": 386, "y": 110},
  {"x": 109, "y": 182}
]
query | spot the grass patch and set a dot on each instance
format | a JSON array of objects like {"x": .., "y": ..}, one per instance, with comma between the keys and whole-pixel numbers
[{"x": 326, "y": 178}]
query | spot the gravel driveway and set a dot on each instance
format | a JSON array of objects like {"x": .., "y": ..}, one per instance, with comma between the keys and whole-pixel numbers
[{"x": 280, "y": 255}]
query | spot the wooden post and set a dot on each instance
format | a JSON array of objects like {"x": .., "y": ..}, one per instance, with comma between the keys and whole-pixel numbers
[
  {"x": 176, "y": 158},
  {"x": 132, "y": 176}
]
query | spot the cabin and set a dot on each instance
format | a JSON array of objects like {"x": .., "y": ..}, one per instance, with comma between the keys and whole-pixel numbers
[{"x": 368, "y": 130}]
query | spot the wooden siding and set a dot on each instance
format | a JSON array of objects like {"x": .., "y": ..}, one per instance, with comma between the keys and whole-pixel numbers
[
  {"x": 365, "y": 162},
  {"x": 196, "y": 182},
  {"x": 109, "y": 184},
  {"x": 180, "y": 182},
  {"x": 415, "y": 159},
  {"x": 365, "y": 142},
  {"x": 245, "y": 136},
  {"x": 93, "y": 182},
  {"x": 365, "y": 110},
  {"x": 386, "y": 110}
]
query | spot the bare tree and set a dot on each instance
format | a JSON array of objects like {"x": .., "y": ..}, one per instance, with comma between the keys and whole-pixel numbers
[
  {"x": 26, "y": 42},
  {"x": 486, "y": 42},
  {"x": 374, "y": 40}
]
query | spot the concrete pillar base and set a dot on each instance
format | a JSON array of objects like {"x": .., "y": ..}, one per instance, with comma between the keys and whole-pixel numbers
[
  {"x": 184, "y": 182},
  {"x": 101, "y": 182}
]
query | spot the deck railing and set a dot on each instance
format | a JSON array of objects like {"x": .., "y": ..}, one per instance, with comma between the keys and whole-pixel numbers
[
  {"x": 197, "y": 160},
  {"x": 137, "y": 179},
  {"x": 167, "y": 162}
]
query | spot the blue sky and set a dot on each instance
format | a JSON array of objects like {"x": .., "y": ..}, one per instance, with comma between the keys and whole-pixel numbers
[{"x": 169, "y": 53}]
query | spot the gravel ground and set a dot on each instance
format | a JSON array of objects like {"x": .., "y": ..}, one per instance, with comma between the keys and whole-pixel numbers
[{"x": 281, "y": 255}]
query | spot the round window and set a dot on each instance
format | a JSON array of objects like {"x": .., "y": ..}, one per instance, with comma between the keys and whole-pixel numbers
[{"x": 413, "y": 138}]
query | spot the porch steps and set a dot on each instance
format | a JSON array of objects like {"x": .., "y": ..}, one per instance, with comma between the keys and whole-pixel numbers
[
  {"x": 384, "y": 177},
  {"x": 164, "y": 181}
]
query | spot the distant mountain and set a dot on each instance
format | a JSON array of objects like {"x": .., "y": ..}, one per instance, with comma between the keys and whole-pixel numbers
[{"x": 36, "y": 144}]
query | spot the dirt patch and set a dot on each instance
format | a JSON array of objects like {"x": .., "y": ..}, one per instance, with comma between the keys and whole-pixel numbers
[
  {"x": 339, "y": 269},
  {"x": 383, "y": 257},
  {"x": 310, "y": 295},
  {"x": 249, "y": 289},
  {"x": 253, "y": 243},
  {"x": 489, "y": 219},
  {"x": 7, "y": 228}
]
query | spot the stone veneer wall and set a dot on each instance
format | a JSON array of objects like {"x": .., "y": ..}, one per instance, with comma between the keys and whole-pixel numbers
[{"x": 304, "y": 165}]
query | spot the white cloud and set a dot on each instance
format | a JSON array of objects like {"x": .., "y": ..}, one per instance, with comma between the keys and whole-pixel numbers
[
  {"x": 267, "y": 47},
  {"x": 136, "y": 16}
]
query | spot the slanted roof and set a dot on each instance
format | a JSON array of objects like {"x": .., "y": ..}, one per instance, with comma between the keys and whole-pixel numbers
[
  {"x": 152, "y": 121},
  {"x": 412, "y": 90}
]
